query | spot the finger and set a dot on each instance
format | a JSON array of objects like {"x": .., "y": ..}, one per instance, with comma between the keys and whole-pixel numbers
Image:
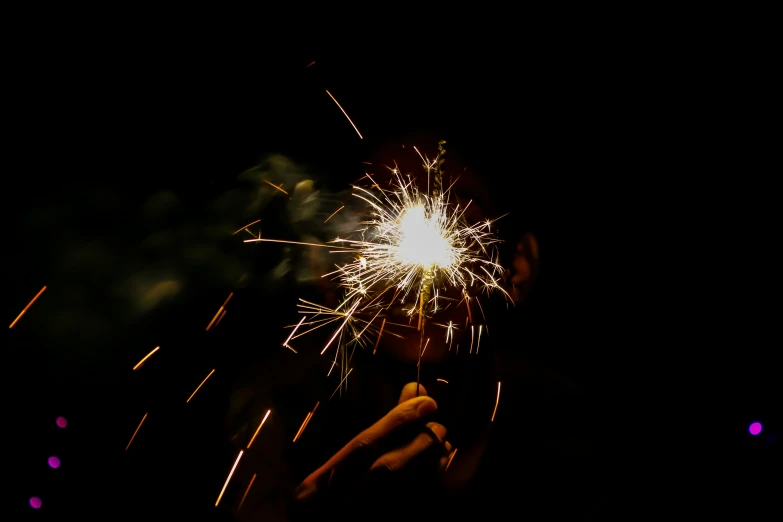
[
  {"x": 401, "y": 457},
  {"x": 409, "y": 392},
  {"x": 409, "y": 412}
]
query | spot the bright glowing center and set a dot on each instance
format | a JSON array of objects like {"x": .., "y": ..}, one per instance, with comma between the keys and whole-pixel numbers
[{"x": 421, "y": 239}]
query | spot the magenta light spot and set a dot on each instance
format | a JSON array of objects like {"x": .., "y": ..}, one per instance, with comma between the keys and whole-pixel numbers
[
  {"x": 61, "y": 422},
  {"x": 755, "y": 428},
  {"x": 54, "y": 462},
  {"x": 35, "y": 502}
]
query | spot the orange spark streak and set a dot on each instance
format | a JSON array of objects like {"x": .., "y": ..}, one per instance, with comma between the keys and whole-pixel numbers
[
  {"x": 379, "y": 336},
  {"x": 467, "y": 303},
  {"x": 443, "y": 380},
  {"x": 450, "y": 459},
  {"x": 311, "y": 63},
  {"x": 243, "y": 228},
  {"x": 289, "y": 242},
  {"x": 293, "y": 332},
  {"x": 346, "y": 115},
  {"x": 229, "y": 478},
  {"x": 280, "y": 188},
  {"x": 341, "y": 383},
  {"x": 28, "y": 306},
  {"x": 138, "y": 365},
  {"x": 259, "y": 428},
  {"x": 307, "y": 417},
  {"x": 247, "y": 490},
  {"x": 311, "y": 415},
  {"x": 137, "y": 430},
  {"x": 221, "y": 318},
  {"x": 335, "y": 212},
  {"x": 200, "y": 385},
  {"x": 347, "y": 316},
  {"x": 220, "y": 309},
  {"x": 496, "y": 404}
]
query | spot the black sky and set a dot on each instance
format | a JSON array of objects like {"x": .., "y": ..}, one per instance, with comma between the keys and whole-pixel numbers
[{"x": 94, "y": 137}]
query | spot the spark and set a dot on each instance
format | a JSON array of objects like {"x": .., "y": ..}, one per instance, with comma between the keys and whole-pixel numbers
[
  {"x": 137, "y": 430},
  {"x": 259, "y": 428},
  {"x": 306, "y": 421},
  {"x": 278, "y": 187},
  {"x": 138, "y": 365},
  {"x": 379, "y": 336},
  {"x": 229, "y": 477},
  {"x": 347, "y": 316},
  {"x": 307, "y": 418},
  {"x": 497, "y": 400},
  {"x": 311, "y": 63},
  {"x": 221, "y": 318},
  {"x": 220, "y": 310},
  {"x": 478, "y": 343},
  {"x": 443, "y": 380},
  {"x": 283, "y": 241},
  {"x": 423, "y": 350},
  {"x": 200, "y": 385},
  {"x": 346, "y": 115},
  {"x": 247, "y": 490},
  {"x": 333, "y": 213},
  {"x": 27, "y": 307},
  {"x": 467, "y": 304},
  {"x": 341, "y": 383},
  {"x": 412, "y": 248},
  {"x": 450, "y": 459},
  {"x": 245, "y": 227},
  {"x": 450, "y": 334},
  {"x": 293, "y": 332},
  {"x": 471, "y": 338}
]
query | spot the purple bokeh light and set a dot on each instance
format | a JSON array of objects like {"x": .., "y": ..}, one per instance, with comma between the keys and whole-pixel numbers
[
  {"x": 754, "y": 428},
  {"x": 35, "y": 502},
  {"x": 61, "y": 422},
  {"x": 54, "y": 462}
]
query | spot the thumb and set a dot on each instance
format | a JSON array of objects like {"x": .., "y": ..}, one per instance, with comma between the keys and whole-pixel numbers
[{"x": 409, "y": 392}]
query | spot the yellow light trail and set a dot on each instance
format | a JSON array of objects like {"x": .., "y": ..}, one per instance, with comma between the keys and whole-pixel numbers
[
  {"x": 333, "y": 213},
  {"x": 379, "y": 336},
  {"x": 229, "y": 478},
  {"x": 221, "y": 318},
  {"x": 443, "y": 380},
  {"x": 27, "y": 307},
  {"x": 135, "y": 432},
  {"x": 347, "y": 316},
  {"x": 245, "y": 495},
  {"x": 259, "y": 428},
  {"x": 200, "y": 385},
  {"x": 220, "y": 310},
  {"x": 280, "y": 188},
  {"x": 497, "y": 400},
  {"x": 138, "y": 365},
  {"x": 293, "y": 332},
  {"x": 304, "y": 422},
  {"x": 289, "y": 242},
  {"x": 243, "y": 228},
  {"x": 450, "y": 459},
  {"x": 341, "y": 383},
  {"x": 346, "y": 115}
]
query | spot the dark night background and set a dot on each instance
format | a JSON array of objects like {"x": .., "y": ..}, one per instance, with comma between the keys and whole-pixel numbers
[{"x": 95, "y": 140}]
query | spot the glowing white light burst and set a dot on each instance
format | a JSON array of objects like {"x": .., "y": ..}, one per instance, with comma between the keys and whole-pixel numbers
[
  {"x": 410, "y": 241},
  {"x": 413, "y": 239}
]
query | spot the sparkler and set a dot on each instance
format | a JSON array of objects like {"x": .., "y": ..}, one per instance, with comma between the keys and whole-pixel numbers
[{"x": 413, "y": 246}]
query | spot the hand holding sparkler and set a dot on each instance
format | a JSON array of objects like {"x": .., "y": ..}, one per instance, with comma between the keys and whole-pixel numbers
[{"x": 397, "y": 449}]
